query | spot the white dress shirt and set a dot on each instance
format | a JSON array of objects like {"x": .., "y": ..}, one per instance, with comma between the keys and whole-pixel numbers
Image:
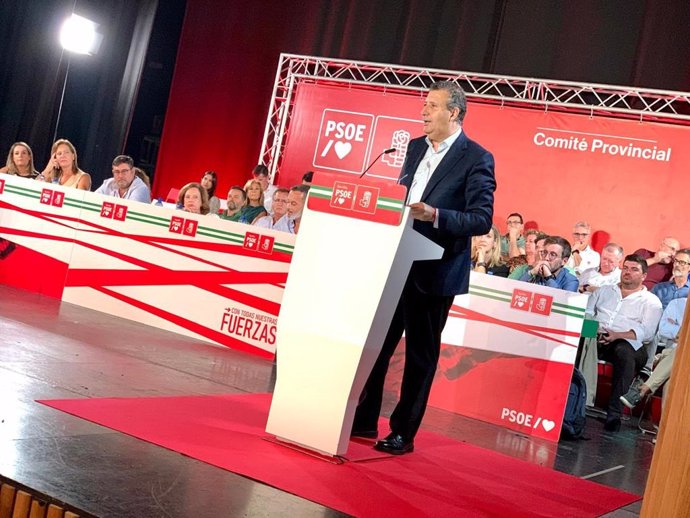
[
  {"x": 283, "y": 224},
  {"x": 428, "y": 165},
  {"x": 593, "y": 277},
  {"x": 639, "y": 312},
  {"x": 590, "y": 259}
]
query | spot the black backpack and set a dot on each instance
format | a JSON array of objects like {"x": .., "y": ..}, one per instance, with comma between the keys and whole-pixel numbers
[{"x": 574, "y": 417}]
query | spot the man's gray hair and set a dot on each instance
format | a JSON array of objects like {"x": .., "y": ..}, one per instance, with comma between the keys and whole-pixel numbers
[
  {"x": 456, "y": 97},
  {"x": 614, "y": 247}
]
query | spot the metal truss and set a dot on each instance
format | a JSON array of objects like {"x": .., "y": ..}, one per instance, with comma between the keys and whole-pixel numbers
[{"x": 594, "y": 99}]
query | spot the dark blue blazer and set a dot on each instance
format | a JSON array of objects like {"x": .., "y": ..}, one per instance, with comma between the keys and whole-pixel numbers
[{"x": 462, "y": 191}]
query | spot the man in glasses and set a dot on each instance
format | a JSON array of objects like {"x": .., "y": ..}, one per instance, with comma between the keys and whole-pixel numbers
[
  {"x": 582, "y": 256},
  {"x": 549, "y": 270},
  {"x": 679, "y": 285},
  {"x": 513, "y": 242},
  {"x": 660, "y": 262},
  {"x": 628, "y": 315},
  {"x": 125, "y": 183}
]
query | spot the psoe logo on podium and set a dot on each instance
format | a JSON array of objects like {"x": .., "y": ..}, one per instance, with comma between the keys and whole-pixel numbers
[
  {"x": 343, "y": 195},
  {"x": 343, "y": 140},
  {"x": 365, "y": 199}
]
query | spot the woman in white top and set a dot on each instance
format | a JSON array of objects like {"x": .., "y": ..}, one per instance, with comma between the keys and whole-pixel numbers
[{"x": 63, "y": 169}]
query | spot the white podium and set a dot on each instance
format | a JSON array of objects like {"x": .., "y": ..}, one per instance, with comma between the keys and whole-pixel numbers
[{"x": 352, "y": 257}]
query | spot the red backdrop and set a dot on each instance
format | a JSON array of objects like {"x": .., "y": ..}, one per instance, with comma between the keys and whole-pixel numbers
[{"x": 553, "y": 168}]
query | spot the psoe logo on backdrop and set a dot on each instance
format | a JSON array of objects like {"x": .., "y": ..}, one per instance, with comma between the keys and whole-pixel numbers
[
  {"x": 534, "y": 302},
  {"x": 343, "y": 140}
]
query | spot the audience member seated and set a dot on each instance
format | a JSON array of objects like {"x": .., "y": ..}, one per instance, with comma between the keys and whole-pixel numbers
[
  {"x": 549, "y": 270},
  {"x": 679, "y": 284},
  {"x": 20, "y": 161},
  {"x": 141, "y": 174},
  {"x": 536, "y": 254},
  {"x": 296, "y": 199},
  {"x": 582, "y": 256},
  {"x": 235, "y": 202},
  {"x": 279, "y": 219},
  {"x": 254, "y": 207},
  {"x": 260, "y": 174},
  {"x": 486, "y": 254},
  {"x": 669, "y": 328},
  {"x": 608, "y": 271},
  {"x": 531, "y": 237},
  {"x": 125, "y": 183},
  {"x": 63, "y": 169},
  {"x": 209, "y": 182},
  {"x": 513, "y": 244},
  {"x": 659, "y": 262},
  {"x": 193, "y": 198},
  {"x": 307, "y": 178},
  {"x": 628, "y": 315}
]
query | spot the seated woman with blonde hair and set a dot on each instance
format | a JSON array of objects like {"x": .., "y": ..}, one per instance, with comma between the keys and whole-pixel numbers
[
  {"x": 486, "y": 254},
  {"x": 193, "y": 198},
  {"x": 20, "y": 161},
  {"x": 63, "y": 169},
  {"x": 254, "y": 206}
]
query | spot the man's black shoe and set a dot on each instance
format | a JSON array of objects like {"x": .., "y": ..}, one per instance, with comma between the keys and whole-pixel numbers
[
  {"x": 612, "y": 424},
  {"x": 395, "y": 445},
  {"x": 365, "y": 434}
]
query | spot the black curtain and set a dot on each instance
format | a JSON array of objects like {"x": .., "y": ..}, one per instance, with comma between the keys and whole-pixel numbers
[{"x": 100, "y": 89}]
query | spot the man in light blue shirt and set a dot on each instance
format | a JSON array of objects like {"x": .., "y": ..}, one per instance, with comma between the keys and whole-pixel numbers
[
  {"x": 679, "y": 285},
  {"x": 278, "y": 220},
  {"x": 549, "y": 269},
  {"x": 125, "y": 183}
]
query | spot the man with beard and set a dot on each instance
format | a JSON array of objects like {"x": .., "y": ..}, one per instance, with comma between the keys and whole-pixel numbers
[
  {"x": 125, "y": 183},
  {"x": 236, "y": 201},
  {"x": 295, "y": 205},
  {"x": 549, "y": 270},
  {"x": 628, "y": 315},
  {"x": 678, "y": 286}
]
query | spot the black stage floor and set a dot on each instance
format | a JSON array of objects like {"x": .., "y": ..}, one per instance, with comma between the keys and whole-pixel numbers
[{"x": 51, "y": 350}]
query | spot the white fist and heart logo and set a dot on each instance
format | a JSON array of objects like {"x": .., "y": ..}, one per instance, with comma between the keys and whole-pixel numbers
[
  {"x": 342, "y": 149},
  {"x": 340, "y": 136}
]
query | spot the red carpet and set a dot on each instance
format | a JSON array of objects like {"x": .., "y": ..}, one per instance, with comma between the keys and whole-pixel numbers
[{"x": 442, "y": 478}]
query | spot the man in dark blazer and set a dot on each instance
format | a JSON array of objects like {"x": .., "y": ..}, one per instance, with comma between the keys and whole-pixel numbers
[{"x": 451, "y": 184}]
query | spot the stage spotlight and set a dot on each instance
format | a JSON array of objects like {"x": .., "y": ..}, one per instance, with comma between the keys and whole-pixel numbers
[{"x": 79, "y": 35}]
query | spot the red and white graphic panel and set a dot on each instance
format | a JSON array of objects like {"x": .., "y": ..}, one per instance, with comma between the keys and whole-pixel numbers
[
  {"x": 620, "y": 175},
  {"x": 508, "y": 353}
]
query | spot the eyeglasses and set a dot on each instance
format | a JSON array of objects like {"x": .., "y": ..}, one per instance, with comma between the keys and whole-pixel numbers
[
  {"x": 550, "y": 255},
  {"x": 682, "y": 263},
  {"x": 514, "y": 222},
  {"x": 578, "y": 234}
]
